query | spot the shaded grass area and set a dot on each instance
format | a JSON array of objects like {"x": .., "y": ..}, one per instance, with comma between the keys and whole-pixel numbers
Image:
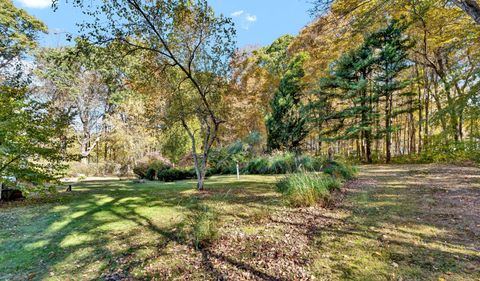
[
  {"x": 411, "y": 222},
  {"x": 105, "y": 226},
  {"x": 407, "y": 222}
]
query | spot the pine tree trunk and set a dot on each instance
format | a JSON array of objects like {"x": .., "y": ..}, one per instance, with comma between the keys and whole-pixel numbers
[
  {"x": 368, "y": 141},
  {"x": 388, "y": 134}
]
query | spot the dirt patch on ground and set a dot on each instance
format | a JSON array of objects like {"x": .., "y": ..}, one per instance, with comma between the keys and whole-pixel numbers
[{"x": 276, "y": 246}]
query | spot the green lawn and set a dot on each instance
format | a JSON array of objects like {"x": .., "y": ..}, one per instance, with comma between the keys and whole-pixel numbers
[
  {"x": 410, "y": 222},
  {"x": 84, "y": 234},
  {"x": 405, "y": 222}
]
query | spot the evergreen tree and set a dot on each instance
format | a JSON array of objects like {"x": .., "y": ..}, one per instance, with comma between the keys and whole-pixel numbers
[
  {"x": 349, "y": 82},
  {"x": 359, "y": 80},
  {"x": 287, "y": 123},
  {"x": 392, "y": 47}
]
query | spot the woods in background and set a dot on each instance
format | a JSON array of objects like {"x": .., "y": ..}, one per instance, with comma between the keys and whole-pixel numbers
[
  {"x": 372, "y": 81},
  {"x": 389, "y": 79}
]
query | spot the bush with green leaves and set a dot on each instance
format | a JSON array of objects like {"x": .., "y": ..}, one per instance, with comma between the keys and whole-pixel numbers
[
  {"x": 257, "y": 166},
  {"x": 148, "y": 168},
  {"x": 339, "y": 170},
  {"x": 309, "y": 163},
  {"x": 159, "y": 165},
  {"x": 282, "y": 164},
  {"x": 151, "y": 174},
  {"x": 174, "y": 174},
  {"x": 305, "y": 189}
]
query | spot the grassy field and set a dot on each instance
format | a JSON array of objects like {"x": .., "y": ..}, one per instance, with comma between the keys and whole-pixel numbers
[
  {"x": 84, "y": 234},
  {"x": 405, "y": 222},
  {"x": 392, "y": 223}
]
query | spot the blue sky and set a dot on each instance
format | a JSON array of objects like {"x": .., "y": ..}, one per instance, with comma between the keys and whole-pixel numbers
[{"x": 258, "y": 22}]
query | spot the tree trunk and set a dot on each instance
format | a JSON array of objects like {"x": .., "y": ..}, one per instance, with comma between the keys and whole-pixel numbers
[
  {"x": 201, "y": 164},
  {"x": 420, "y": 109},
  {"x": 84, "y": 153},
  {"x": 427, "y": 112},
  {"x": 388, "y": 134},
  {"x": 357, "y": 142},
  {"x": 470, "y": 7},
  {"x": 198, "y": 169}
]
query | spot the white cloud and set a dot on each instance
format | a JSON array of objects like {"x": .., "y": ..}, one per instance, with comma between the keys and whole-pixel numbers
[
  {"x": 244, "y": 19},
  {"x": 250, "y": 18},
  {"x": 36, "y": 4},
  {"x": 237, "y": 13}
]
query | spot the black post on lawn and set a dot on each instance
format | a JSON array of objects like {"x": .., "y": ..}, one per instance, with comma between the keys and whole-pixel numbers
[{"x": 69, "y": 188}]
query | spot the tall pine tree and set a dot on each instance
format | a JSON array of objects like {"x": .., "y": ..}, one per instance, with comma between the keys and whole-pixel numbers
[
  {"x": 358, "y": 81},
  {"x": 287, "y": 122},
  {"x": 349, "y": 82},
  {"x": 391, "y": 46}
]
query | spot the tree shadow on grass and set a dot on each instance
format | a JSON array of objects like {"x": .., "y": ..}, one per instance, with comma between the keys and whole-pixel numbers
[
  {"x": 83, "y": 234},
  {"x": 397, "y": 226},
  {"x": 112, "y": 230}
]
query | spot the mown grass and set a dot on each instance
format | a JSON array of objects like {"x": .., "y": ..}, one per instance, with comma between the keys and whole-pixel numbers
[
  {"x": 83, "y": 234},
  {"x": 390, "y": 227},
  {"x": 395, "y": 229}
]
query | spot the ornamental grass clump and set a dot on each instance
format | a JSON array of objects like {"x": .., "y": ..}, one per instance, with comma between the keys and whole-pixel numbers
[{"x": 305, "y": 189}]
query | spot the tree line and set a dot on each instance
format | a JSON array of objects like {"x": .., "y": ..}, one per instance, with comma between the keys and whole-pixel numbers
[
  {"x": 372, "y": 82},
  {"x": 383, "y": 79}
]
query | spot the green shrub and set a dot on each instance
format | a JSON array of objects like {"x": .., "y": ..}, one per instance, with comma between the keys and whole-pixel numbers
[
  {"x": 205, "y": 228},
  {"x": 339, "y": 170},
  {"x": 173, "y": 174},
  {"x": 223, "y": 170},
  {"x": 309, "y": 163},
  {"x": 159, "y": 165},
  {"x": 151, "y": 173},
  {"x": 307, "y": 189},
  {"x": 282, "y": 164},
  {"x": 257, "y": 166}
]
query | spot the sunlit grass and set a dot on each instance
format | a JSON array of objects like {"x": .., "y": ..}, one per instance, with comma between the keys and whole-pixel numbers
[
  {"x": 388, "y": 240},
  {"x": 86, "y": 231},
  {"x": 379, "y": 233}
]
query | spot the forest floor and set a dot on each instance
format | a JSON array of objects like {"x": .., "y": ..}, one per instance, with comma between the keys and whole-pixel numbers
[{"x": 396, "y": 222}]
